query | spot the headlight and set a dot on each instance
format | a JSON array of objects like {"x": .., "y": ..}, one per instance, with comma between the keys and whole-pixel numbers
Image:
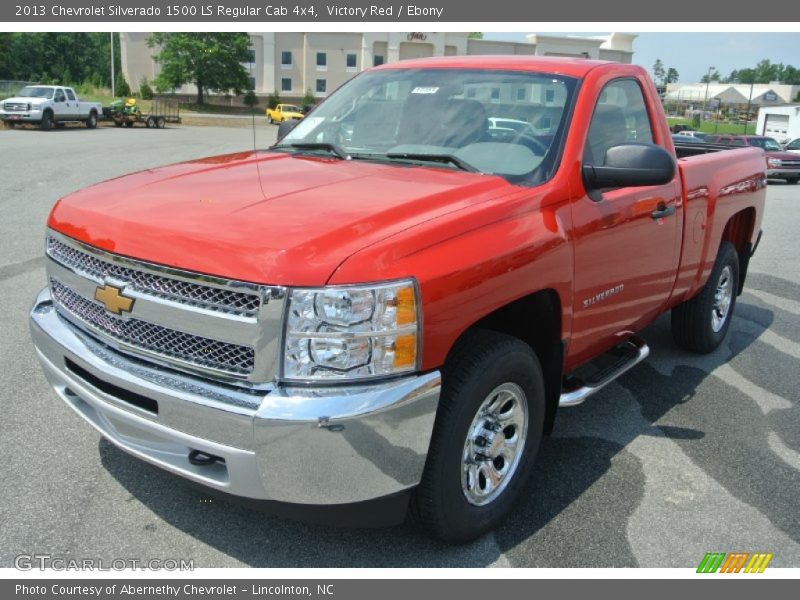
[
  {"x": 351, "y": 333},
  {"x": 774, "y": 162}
]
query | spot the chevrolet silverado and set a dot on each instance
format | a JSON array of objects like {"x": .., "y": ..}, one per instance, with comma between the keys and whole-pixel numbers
[{"x": 381, "y": 315}]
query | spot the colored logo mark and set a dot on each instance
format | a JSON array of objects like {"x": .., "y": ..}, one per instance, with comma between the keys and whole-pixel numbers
[{"x": 734, "y": 562}]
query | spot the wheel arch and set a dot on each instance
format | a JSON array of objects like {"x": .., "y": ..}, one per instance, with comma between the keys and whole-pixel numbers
[
  {"x": 739, "y": 231},
  {"x": 536, "y": 320}
]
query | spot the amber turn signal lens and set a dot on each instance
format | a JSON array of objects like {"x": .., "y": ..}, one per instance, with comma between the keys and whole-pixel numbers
[{"x": 405, "y": 351}]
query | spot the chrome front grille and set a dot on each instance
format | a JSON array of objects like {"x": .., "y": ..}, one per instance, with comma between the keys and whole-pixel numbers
[
  {"x": 15, "y": 107},
  {"x": 162, "y": 341},
  {"x": 184, "y": 292},
  {"x": 201, "y": 324},
  {"x": 795, "y": 164}
]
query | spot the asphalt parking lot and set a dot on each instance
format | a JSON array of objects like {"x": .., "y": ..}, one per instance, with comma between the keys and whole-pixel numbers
[{"x": 681, "y": 456}]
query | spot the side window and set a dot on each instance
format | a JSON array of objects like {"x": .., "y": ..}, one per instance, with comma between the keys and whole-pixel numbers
[
  {"x": 70, "y": 94},
  {"x": 619, "y": 117},
  {"x": 59, "y": 97}
]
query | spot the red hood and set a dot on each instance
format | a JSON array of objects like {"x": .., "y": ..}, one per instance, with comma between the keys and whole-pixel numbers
[{"x": 211, "y": 215}]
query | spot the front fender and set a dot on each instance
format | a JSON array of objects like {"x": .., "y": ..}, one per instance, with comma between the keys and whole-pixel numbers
[{"x": 471, "y": 262}]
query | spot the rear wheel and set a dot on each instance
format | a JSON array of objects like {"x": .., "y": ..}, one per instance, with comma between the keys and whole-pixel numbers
[
  {"x": 701, "y": 323},
  {"x": 150, "y": 123},
  {"x": 161, "y": 122},
  {"x": 487, "y": 433},
  {"x": 91, "y": 122}
]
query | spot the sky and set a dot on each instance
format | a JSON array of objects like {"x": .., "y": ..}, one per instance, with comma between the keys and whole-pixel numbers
[{"x": 693, "y": 53}]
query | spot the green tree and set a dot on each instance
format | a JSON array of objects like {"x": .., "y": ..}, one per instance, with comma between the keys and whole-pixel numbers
[
  {"x": 211, "y": 61},
  {"x": 475, "y": 35},
  {"x": 273, "y": 100},
  {"x": 309, "y": 99},
  {"x": 659, "y": 72},
  {"x": 671, "y": 76},
  {"x": 250, "y": 99}
]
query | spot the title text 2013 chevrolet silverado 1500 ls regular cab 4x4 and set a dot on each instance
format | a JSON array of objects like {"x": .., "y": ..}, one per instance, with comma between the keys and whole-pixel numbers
[{"x": 384, "y": 311}]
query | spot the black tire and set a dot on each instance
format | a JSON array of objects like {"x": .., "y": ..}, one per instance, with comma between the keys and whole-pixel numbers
[
  {"x": 91, "y": 122},
  {"x": 161, "y": 122},
  {"x": 47, "y": 121},
  {"x": 481, "y": 362},
  {"x": 693, "y": 321},
  {"x": 150, "y": 123},
  {"x": 127, "y": 123},
  {"x": 117, "y": 123},
  {"x": 269, "y": 118},
  {"x": 793, "y": 180}
]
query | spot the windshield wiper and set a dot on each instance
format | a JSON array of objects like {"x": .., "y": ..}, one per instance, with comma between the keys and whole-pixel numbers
[
  {"x": 333, "y": 148},
  {"x": 442, "y": 158}
]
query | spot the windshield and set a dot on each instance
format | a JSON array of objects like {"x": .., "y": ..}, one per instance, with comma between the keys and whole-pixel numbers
[
  {"x": 765, "y": 143},
  {"x": 498, "y": 122},
  {"x": 35, "y": 91}
]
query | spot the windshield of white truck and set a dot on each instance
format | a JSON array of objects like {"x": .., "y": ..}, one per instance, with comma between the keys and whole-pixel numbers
[
  {"x": 506, "y": 123},
  {"x": 35, "y": 91}
]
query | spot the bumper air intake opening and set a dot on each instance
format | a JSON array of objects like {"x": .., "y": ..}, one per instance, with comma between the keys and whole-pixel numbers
[{"x": 117, "y": 392}]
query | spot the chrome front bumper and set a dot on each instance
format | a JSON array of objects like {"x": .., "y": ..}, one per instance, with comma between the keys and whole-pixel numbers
[{"x": 312, "y": 446}]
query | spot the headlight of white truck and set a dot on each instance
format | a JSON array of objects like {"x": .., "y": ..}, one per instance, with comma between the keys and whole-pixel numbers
[{"x": 351, "y": 333}]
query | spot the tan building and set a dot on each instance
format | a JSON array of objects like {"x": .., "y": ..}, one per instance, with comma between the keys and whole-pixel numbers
[{"x": 293, "y": 63}]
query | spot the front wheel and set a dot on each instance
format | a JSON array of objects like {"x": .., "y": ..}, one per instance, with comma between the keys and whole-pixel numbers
[
  {"x": 793, "y": 180},
  {"x": 47, "y": 121},
  {"x": 701, "y": 323},
  {"x": 487, "y": 433}
]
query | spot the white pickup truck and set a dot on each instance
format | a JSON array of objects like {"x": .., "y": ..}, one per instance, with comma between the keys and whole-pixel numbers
[{"x": 49, "y": 106}]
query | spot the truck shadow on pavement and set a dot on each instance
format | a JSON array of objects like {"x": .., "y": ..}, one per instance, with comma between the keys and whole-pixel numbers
[{"x": 586, "y": 485}]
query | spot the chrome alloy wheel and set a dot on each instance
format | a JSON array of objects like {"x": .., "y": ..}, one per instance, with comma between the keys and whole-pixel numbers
[
  {"x": 722, "y": 299},
  {"x": 495, "y": 444}
]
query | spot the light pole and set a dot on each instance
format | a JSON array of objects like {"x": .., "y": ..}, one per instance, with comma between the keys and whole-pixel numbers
[
  {"x": 113, "y": 87},
  {"x": 708, "y": 82},
  {"x": 749, "y": 104}
]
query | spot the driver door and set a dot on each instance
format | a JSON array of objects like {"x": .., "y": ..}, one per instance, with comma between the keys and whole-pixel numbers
[
  {"x": 626, "y": 239},
  {"x": 60, "y": 108}
]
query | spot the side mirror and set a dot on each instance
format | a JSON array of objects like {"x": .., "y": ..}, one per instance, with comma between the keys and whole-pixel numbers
[
  {"x": 284, "y": 127},
  {"x": 631, "y": 165}
]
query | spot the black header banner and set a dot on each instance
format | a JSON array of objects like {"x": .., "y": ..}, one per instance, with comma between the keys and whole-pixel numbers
[{"x": 429, "y": 11}]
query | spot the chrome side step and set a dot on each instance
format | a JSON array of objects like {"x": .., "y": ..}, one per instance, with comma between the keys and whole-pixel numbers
[{"x": 634, "y": 351}]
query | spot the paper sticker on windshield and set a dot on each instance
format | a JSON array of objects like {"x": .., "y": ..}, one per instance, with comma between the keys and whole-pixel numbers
[{"x": 425, "y": 90}]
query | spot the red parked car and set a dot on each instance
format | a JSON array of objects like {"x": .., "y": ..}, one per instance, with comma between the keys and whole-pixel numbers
[
  {"x": 382, "y": 313},
  {"x": 780, "y": 163}
]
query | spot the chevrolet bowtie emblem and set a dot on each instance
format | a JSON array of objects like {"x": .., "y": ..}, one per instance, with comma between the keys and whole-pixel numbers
[{"x": 113, "y": 300}]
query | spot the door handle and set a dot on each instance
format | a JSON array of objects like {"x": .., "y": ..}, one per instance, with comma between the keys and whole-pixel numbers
[{"x": 663, "y": 211}]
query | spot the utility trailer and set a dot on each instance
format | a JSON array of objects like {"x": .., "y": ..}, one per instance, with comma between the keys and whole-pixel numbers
[{"x": 162, "y": 111}]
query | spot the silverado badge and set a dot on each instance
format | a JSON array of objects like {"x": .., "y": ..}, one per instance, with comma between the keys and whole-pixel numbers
[{"x": 113, "y": 300}]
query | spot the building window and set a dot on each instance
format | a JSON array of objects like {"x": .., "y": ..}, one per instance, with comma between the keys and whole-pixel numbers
[
  {"x": 322, "y": 61},
  {"x": 377, "y": 60},
  {"x": 251, "y": 55},
  {"x": 549, "y": 95},
  {"x": 286, "y": 84},
  {"x": 495, "y": 93},
  {"x": 322, "y": 86},
  {"x": 471, "y": 92},
  {"x": 351, "y": 62},
  {"x": 286, "y": 60},
  {"x": 252, "y": 83},
  {"x": 520, "y": 93}
]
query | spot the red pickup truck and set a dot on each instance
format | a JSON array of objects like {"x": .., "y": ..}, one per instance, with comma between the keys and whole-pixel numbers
[{"x": 382, "y": 313}]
